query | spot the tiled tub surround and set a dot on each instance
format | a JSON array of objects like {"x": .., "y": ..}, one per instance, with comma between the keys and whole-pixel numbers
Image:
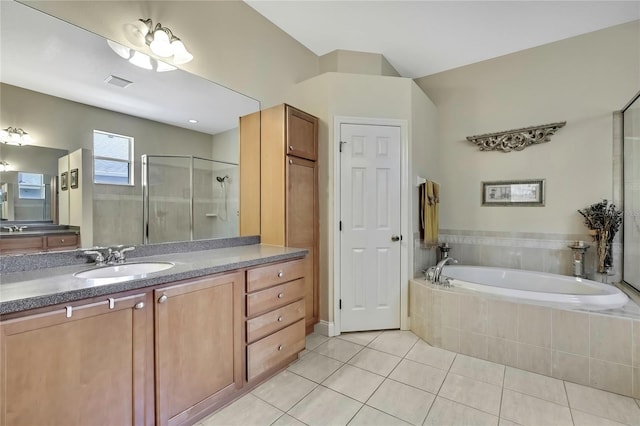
[
  {"x": 517, "y": 250},
  {"x": 593, "y": 349}
]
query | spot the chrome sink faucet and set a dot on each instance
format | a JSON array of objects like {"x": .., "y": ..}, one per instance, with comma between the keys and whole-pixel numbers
[
  {"x": 438, "y": 269},
  {"x": 114, "y": 256}
]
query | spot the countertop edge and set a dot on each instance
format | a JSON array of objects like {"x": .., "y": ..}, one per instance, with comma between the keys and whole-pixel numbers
[{"x": 28, "y": 303}]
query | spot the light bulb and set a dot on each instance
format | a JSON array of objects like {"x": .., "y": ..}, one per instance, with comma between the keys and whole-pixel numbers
[
  {"x": 160, "y": 44},
  {"x": 122, "y": 51},
  {"x": 136, "y": 32},
  {"x": 15, "y": 138},
  {"x": 180, "y": 53},
  {"x": 4, "y": 135},
  {"x": 163, "y": 67},
  {"x": 141, "y": 60},
  {"x": 26, "y": 139}
]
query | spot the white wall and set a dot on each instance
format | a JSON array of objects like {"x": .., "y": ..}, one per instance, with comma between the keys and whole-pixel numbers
[{"x": 581, "y": 80}]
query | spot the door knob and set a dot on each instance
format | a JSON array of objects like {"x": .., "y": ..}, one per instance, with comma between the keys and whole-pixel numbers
[{"x": 395, "y": 238}]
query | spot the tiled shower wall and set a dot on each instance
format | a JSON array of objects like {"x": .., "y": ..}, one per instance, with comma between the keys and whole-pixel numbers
[{"x": 517, "y": 250}]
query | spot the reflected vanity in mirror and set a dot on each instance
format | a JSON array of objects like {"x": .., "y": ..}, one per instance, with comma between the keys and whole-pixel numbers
[{"x": 68, "y": 89}]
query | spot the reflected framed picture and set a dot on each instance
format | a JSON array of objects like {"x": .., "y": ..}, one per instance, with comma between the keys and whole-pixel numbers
[
  {"x": 73, "y": 179},
  {"x": 64, "y": 181},
  {"x": 523, "y": 193}
]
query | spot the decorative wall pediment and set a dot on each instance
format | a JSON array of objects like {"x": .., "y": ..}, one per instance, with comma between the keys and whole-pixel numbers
[{"x": 517, "y": 139}]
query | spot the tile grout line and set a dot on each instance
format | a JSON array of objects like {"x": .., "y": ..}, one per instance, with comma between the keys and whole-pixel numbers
[
  {"x": 504, "y": 377},
  {"x": 441, "y": 385},
  {"x": 564, "y": 385}
]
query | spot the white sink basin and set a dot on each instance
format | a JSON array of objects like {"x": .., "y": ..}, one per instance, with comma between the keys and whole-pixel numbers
[{"x": 126, "y": 271}]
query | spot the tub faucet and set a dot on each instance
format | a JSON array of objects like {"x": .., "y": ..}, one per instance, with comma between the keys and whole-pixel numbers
[{"x": 438, "y": 270}]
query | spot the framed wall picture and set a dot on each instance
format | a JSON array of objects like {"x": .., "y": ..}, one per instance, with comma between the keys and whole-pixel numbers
[
  {"x": 64, "y": 181},
  {"x": 524, "y": 193},
  {"x": 73, "y": 179}
]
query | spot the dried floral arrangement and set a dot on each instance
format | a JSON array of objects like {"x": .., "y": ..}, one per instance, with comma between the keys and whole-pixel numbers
[{"x": 604, "y": 222}]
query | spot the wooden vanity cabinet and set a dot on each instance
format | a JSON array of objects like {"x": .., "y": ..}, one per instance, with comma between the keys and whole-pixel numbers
[
  {"x": 198, "y": 338},
  {"x": 275, "y": 325},
  {"x": 79, "y": 366},
  {"x": 287, "y": 175},
  {"x": 16, "y": 244}
]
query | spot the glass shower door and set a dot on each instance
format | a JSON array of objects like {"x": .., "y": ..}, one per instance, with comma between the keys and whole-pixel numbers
[
  {"x": 631, "y": 166},
  {"x": 168, "y": 201}
]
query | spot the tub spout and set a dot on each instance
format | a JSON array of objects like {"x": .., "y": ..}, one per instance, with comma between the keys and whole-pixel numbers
[{"x": 438, "y": 270}]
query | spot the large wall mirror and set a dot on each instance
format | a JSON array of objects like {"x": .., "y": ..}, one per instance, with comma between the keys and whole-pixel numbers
[{"x": 69, "y": 90}]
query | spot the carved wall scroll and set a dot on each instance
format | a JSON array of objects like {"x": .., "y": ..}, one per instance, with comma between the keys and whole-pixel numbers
[{"x": 517, "y": 139}]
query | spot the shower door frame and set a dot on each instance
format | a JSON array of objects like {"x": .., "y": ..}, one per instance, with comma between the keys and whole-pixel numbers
[
  {"x": 145, "y": 190},
  {"x": 635, "y": 98}
]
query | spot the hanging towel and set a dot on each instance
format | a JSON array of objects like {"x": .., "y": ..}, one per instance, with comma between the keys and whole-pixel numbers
[{"x": 429, "y": 196}]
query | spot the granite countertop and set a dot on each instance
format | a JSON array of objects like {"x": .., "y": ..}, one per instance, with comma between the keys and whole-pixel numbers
[{"x": 20, "y": 291}]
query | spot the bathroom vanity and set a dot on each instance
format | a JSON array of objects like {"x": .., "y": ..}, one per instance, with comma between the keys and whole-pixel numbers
[
  {"x": 168, "y": 348},
  {"x": 37, "y": 239}
]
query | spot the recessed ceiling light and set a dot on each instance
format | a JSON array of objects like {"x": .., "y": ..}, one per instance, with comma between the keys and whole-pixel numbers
[{"x": 193, "y": 121}]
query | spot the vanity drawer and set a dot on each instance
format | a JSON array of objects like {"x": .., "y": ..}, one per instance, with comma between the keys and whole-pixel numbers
[
  {"x": 20, "y": 244},
  {"x": 59, "y": 241},
  {"x": 271, "y": 351},
  {"x": 267, "y": 276},
  {"x": 272, "y": 321},
  {"x": 274, "y": 297}
]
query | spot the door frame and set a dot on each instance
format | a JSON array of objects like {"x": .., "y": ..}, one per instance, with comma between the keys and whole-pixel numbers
[{"x": 405, "y": 214}]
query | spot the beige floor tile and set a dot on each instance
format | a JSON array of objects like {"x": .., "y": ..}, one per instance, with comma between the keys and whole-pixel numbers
[
  {"x": 485, "y": 371},
  {"x": 354, "y": 382},
  {"x": 528, "y": 410},
  {"x": 325, "y": 407},
  {"x": 375, "y": 361},
  {"x": 580, "y": 418},
  {"x": 315, "y": 367},
  {"x": 394, "y": 342},
  {"x": 287, "y": 420},
  {"x": 402, "y": 401},
  {"x": 419, "y": 375},
  {"x": 536, "y": 385},
  {"x": 369, "y": 416},
  {"x": 314, "y": 340},
  {"x": 445, "y": 412},
  {"x": 284, "y": 390},
  {"x": 247, "y": 411},
  {"x": 338, "y": 349},
  {"x": 360, "y": 338},
  {"x": 604, "y": 404},
  {"x": 474, "y": 393},
  {"x": 505, "y": 422},
  {"x": 424, "y": 353}
]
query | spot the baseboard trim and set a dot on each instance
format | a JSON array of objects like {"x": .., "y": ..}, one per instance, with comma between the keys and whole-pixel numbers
[{"x": 325, "y": 328}]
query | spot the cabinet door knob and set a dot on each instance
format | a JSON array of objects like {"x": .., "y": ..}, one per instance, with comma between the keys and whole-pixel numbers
[
  {"x": 280, "y": 319},
  {"x": 162, "y": 298},
  {"x": 139, "y": 305},
  {"x": 280, "y": 274},
  {"x": 62, "y": 240},
  {"x": 290, "y": 161},
  {"x": 280, "y": 295},
  {"x": 290, "y": 147},
  {"x": 280, "y": 347}
]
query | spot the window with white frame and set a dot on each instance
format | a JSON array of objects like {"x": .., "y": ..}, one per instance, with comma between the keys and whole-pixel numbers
[
  {"x": 30, "y": 186},
  {"x": 112, "y": 158}
]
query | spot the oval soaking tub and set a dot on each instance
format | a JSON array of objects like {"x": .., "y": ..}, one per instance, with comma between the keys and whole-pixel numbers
[{"x": 538, "y": 287}]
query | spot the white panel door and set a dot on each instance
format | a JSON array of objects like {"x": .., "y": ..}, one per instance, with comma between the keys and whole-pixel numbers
[{"x": 370, "y": 220}]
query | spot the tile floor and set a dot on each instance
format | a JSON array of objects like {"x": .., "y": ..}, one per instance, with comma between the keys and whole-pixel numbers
[{"x": 394, "y": 378}]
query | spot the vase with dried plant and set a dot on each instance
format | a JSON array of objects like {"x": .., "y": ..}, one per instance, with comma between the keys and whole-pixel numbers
[{"x": 603, "y": 221}]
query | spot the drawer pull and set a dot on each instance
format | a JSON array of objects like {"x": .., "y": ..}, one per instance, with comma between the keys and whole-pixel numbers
[
  {"x": 280, "y": 274},
  {"x": 280, "y": 295},
  {"x": 162, "y": 298},
  {"x": 280, "y": 319},
  {"x": 139, "y": 305},
  {"x": 280, "y": 347},
  {"x": 62, "y": 240}
]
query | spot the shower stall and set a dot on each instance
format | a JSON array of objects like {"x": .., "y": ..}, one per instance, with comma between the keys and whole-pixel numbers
[
  {"x": 187, "y": 198},
  {"x": 631, "y": 192}
]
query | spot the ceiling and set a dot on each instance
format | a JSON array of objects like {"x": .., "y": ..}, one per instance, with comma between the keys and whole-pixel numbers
[
  {"x": 420, "y": 38},
  {"x": 47, "y": 55}
]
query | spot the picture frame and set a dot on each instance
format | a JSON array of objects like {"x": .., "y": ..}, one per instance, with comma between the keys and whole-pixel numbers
[
  {"x": 514, "y": 193},
  {"x": 64, "y": 181},
  {"x": 73, "y": 179}
]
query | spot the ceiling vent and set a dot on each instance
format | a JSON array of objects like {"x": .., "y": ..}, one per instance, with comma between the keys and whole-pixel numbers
[{"x": 117, "y": 81}]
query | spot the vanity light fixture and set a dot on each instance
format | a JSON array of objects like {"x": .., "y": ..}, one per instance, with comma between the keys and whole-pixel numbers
[
  {"x": 15, "y": 136},
  {"x": 4, "y": 166},
  {"x": 139, "y": 59},
  {"x": 160, "y": 40}
]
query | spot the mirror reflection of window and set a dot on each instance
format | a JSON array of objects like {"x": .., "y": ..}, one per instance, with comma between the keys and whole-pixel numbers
[
  {"x": 112, "y": 158},
  {"x": 30, "y": 186}
]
